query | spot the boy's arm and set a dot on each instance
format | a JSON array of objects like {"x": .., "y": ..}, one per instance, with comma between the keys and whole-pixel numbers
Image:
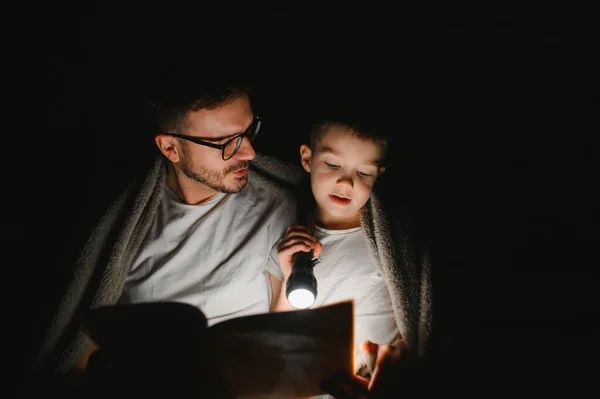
[
  {"x": 297, "y": 238},
  {"x": 275, "y": 290},
  {"x": 396, "y": 339},
  {"x": 83, "y": 361},
  {"x": 279, "y": 303}
]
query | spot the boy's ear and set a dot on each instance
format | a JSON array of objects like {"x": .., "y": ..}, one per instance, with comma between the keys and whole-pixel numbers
[
  {"x": 305, "y": 157},
  {"x": 381, "y": 170}
]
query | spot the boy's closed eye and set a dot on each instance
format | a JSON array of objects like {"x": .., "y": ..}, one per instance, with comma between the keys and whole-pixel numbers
[{"x": 334, "y": 166}]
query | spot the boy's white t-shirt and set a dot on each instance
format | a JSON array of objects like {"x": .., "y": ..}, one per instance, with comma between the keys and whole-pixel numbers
[
  {"x": 348, "y": 271},
  {"x": 213, "y": 255}
]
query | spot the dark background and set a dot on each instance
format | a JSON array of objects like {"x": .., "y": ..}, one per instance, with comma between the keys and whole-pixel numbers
[{"x": 495, "y": 118}]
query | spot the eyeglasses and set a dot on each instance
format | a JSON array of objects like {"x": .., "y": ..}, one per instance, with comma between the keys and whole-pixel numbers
[{"x": 231, "y": 146}]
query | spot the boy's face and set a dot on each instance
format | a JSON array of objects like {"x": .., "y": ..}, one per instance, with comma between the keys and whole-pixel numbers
[{"x": 343, "y": 170}]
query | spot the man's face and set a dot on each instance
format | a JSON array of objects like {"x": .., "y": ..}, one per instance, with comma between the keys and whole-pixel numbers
[
  {"x": 204, "y": 164},
  {"x": 343, "y": 170}
]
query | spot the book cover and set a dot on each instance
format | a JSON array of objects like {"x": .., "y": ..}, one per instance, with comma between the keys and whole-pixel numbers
[{"x": 271, "y": 355}]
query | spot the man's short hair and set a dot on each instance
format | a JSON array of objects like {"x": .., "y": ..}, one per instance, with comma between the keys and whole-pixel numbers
[{"x": 176, "y": 96}]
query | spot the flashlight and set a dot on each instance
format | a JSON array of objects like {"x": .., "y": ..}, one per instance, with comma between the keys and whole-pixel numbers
[{"x": 301, "y": 287}]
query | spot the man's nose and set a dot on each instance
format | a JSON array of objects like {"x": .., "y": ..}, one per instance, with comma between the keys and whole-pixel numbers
[{"x": 246, "y": 151}]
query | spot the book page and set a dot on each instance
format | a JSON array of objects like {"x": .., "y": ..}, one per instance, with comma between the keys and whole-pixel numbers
[{"x": 285, "y": 354}]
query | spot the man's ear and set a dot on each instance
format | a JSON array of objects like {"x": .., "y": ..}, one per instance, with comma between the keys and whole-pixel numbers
[
  {"x": 166, "y": 145},
  {"x": 381, "y": 170},
  {"x": 305, "y": 157}
]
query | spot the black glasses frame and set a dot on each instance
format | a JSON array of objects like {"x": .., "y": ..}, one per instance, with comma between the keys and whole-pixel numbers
[{"x": 251, "y": 133}]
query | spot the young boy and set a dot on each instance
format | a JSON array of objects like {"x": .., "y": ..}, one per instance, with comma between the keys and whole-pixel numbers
[{"x": 344, "y": 162}]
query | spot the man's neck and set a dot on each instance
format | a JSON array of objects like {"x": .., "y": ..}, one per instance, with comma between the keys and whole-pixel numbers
[{"x": 188, "y": 190}]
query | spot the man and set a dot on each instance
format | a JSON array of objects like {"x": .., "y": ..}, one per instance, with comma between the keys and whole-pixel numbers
[
  {"x": 214, "y": 226},
  {"x": 199, "y": 229}
]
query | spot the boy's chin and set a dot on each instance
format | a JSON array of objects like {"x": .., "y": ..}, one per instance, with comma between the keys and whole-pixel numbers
[{"x": 339, "y": 212}]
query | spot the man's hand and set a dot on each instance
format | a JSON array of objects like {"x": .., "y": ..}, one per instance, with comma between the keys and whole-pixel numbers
[{"x": 297, "y": 239}]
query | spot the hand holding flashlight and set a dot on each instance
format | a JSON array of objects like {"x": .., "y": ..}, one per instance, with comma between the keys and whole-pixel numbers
[
  {"x": 298, "y": 253},
  {"x": 297, "y": 239}
]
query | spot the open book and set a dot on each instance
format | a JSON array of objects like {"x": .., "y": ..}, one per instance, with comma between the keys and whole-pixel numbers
[{"x": 273, "y": 355}]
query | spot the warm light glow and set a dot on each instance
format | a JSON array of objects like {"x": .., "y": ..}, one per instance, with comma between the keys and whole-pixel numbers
[{"x": 301, "y": 298}]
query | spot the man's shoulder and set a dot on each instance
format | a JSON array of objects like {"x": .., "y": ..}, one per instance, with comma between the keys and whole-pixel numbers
[
  {"x": 263, "y": 197},
  {"x": 278, "y": 171},
  {"x": 274, "y": 177},
  {"x": 267, "y": 189}
]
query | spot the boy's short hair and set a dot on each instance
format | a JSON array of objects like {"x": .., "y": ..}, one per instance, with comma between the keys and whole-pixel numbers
[{"x": 359, "y": 127}]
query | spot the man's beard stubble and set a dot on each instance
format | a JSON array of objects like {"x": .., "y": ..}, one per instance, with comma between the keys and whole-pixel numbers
[{"x": 214, "y": 179}]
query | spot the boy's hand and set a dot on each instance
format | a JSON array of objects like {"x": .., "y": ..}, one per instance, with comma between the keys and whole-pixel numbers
[
  {"x": 297, "y": 238},
  {"x": 392, "y": 363},
  {"x": 388, "y": 361}
]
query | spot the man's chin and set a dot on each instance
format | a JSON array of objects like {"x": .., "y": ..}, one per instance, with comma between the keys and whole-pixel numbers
[{"x": 237, "y": 184}]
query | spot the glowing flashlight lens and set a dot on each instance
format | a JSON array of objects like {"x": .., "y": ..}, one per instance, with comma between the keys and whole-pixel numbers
[{"x": 301, "y": 298}]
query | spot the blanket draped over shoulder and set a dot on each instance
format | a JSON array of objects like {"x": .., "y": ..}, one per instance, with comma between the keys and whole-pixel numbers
[{"x": 99, "y": 274}]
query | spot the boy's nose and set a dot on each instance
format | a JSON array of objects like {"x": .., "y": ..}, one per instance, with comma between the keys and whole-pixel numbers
[{"x": 345, "y": 182}]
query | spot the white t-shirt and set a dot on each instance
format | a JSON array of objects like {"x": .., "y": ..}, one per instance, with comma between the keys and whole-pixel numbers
[
  {"x": 214, "y": 255},
  {"x": 348, "y": 271}
]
